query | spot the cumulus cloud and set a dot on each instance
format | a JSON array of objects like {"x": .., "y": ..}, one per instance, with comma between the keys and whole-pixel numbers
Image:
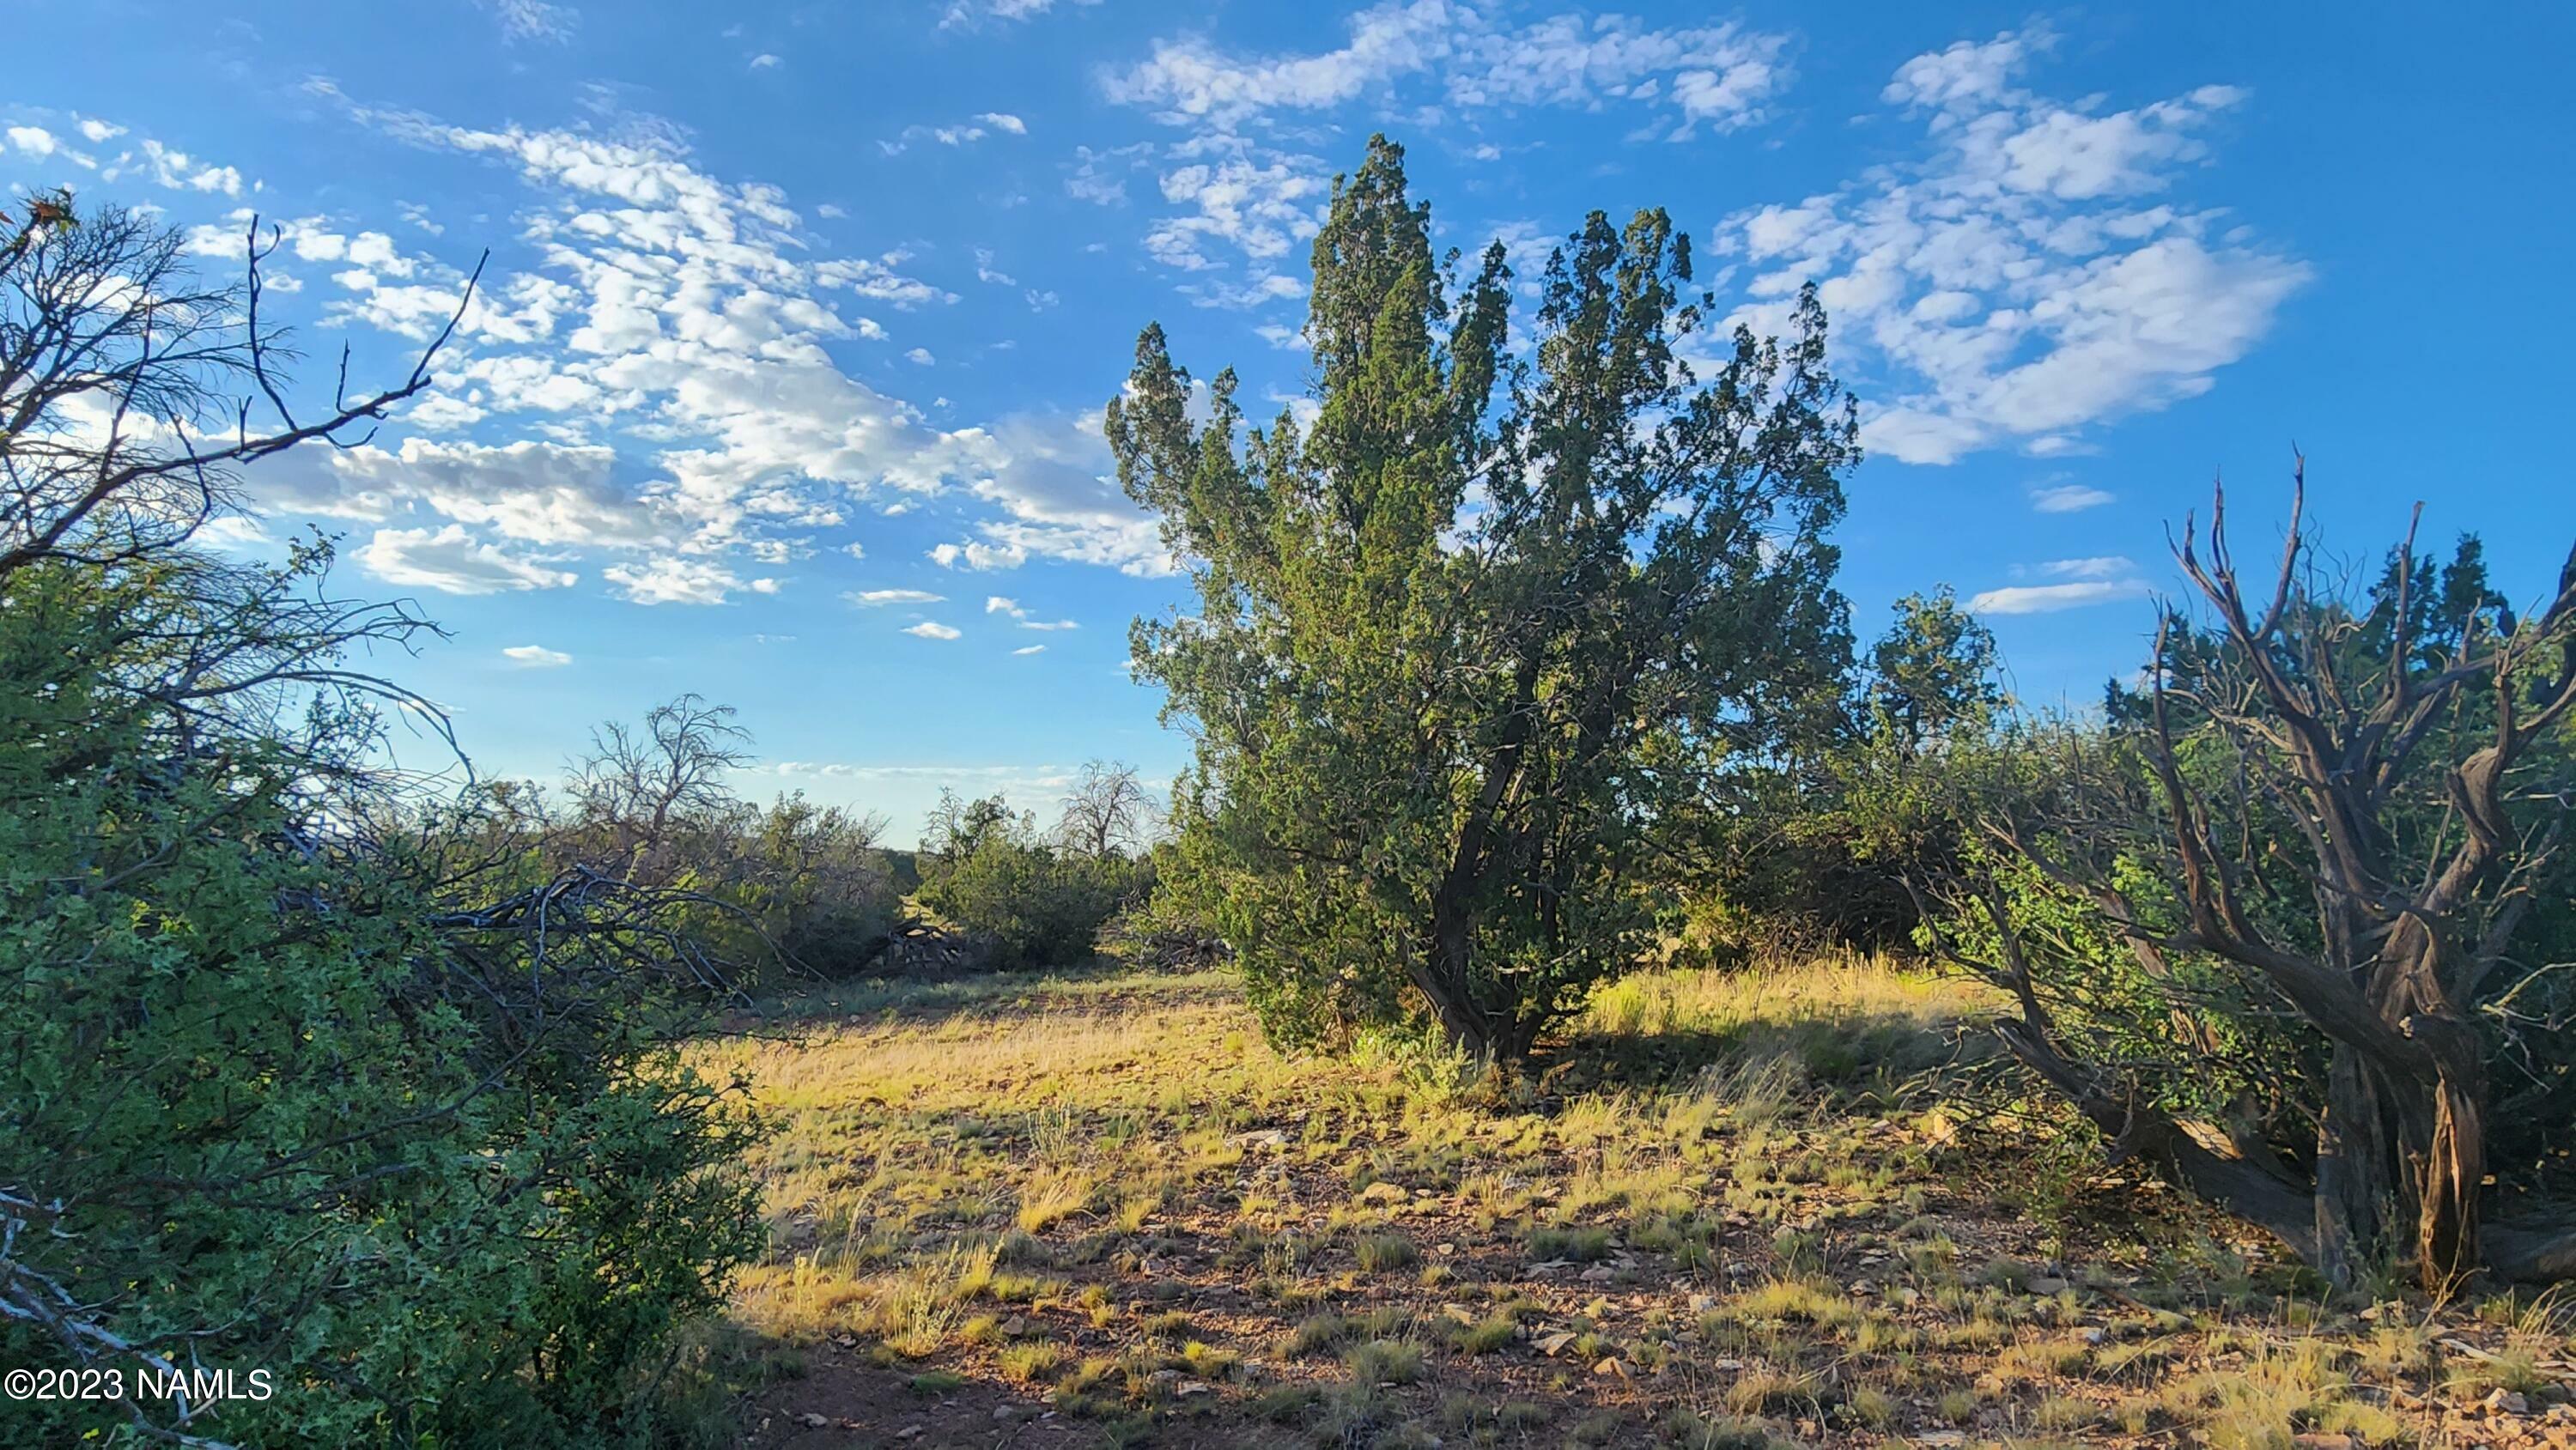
[
  {"x": 930, "y": 629},
  {"x": 455, "y": 562},
  {"x": 2022, "y": 281},
  {"x": 535, "y": 656},
  {"x": 668, "y": 579},
  {"x": 1717, "y": 75},
  {"x": 1239, "y": 198}
]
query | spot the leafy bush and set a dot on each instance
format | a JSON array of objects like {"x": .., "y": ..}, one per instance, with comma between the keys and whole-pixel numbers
[
  {"x": 276, "y": 1099},
  {"x": 1028, "y": 904}
]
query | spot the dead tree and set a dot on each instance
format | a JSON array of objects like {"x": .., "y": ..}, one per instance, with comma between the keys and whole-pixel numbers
[
  {"x": 131, "y": 392},
  {"x": 2353, "y": 823},
  {"x": 1107, "y": 810}
]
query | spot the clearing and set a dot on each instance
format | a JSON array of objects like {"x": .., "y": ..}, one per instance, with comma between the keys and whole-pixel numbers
[{"x": 1727, "y": 1209}]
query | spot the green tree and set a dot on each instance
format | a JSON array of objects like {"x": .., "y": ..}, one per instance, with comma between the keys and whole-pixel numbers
[
  {"x": 295, "y": 1073},
  {"x": 1934, "y": 668},
  {"x": 1025, "y": 902},
  {"x": 1465, "y": 644}
]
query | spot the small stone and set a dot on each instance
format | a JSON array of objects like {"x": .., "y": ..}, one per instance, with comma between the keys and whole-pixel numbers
[
  {"x": 1598, "y": 1274},
  {"x": 2047, "y": 1287},
  {"x": 1863, "y": 1289},
  {"x": 1611, "y": 1368},
  {"x": 1942, "y": 1437},
  {"x": 1016, "y": 1326},
  {"x": 1554, "y": 1344},
  {"x": 812, "y": 1421},
  {"x": 2095, "y": 1335},
  {"x": 1730, "y": 1365},
  {"x": 909, "y": 1432},
  {"x": 2322, "y": 1442},
  {"x": 1011, "y": 1414},
  {"x": 2509, "y": 1402},
  {"x": 1195, "y": 1387}
]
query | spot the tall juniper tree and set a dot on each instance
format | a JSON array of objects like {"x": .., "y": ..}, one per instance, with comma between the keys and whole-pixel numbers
[{"x": 1470, "y": 639}]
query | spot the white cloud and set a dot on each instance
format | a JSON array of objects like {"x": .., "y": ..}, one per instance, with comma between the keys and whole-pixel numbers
[
  {"x": 1004, "y": 121},
  {"x": 920, "y": 356},
  {"x": 98, "y": 132},
  {"x": 930, "y": 629},
  {"x": 535, "y": 656},
  {"x": 2049, "y": 598},
  {"x": 533, "y": 19},
  {"x": 455, "y": 562},
  {"x": 1030, "y": 649},
  {"x": 876, "y": 598},
  {"x": 32, "y": 140},
  {"x": 2107, "y": 566},
  {"x": 968, "y": 12},
  {"x": 996, "y": 604},
  {"x": 2068, "y": 498},
  {"x": 1716, "y": 75},
  {"x": 764, "y": 61},
  {"x": 2018, "y": 285},
  {"x": 533, "y": 491},
  {"x": 668, "y": 579}
]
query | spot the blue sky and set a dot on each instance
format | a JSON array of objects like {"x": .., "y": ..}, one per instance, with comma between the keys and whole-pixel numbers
[{"x": 785, "y": 380}]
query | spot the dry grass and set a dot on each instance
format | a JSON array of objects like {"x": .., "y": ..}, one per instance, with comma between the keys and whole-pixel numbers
[{"x": 1731, "y": 1211}]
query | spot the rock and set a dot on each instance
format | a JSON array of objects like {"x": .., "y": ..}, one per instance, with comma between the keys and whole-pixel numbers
[
  {"x": 1941, "y": 1437},
  {"x": 910, "y": 1432},
  {"x": 2046, "y": 1287},
  {"x": 1270, "y": 1138},
  {"x": 1011, "y": 1414},
  {"x": 1195, "y": 1387},
  {"x": 2323, "y": 1442},
  {"x": 1554, "y": 1344},
  {"x": 1863, "y": 1289},
  {"x": 1611, "y": 1368},
  {"x": 1598, "y": 1274},
  {"x": 1016, "y": 1326},
  {"x": 812, "y": 1421},
  {"x": 1730, "y": 1365},
  {"x": 1382, "y": 1193},
  {"x": 2507, "y": 1402},
  {"x": 2094, "y": 1335}
]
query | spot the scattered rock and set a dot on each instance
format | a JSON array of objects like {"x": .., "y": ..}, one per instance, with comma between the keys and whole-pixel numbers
[
  {"x": 1383, "y": 1193},
  {"x": 1016, "y": 1326},
  {"x": 1195, "y": 1387},
  {"x": 2095, "y": 1335},
  {"x": 1598, "y": 1274},
  {"x": 1011, "y": 1414},
  {"x": 1863, "y": 1289},
  {"x": 1554, "y": 1344},
  {"x": 2507, "y": 1402},
  {"x": 1941, "y": 1437},
  {"x": 1270, "y": 1138},
  {"x": 2046, "y": 1287},
  {"x": 910, "y": 1432},
  {"x": 1611, "y": 1368},
  {"x": 1729, "y": 1365}
]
